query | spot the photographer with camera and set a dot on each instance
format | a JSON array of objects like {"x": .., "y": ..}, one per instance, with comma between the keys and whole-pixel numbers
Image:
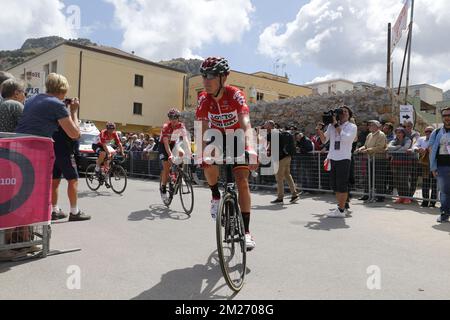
[
  {"x": 65, "y": 166},
  {"x": 52, "y": 113},
  {"x": 341, "y": 133}
]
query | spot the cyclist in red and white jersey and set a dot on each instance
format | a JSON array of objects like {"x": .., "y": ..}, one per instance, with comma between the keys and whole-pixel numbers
[
  {"x": 100, "y": 145},
  {"x": 170, "y": 134},
  {"x": 224, "y": 107}
]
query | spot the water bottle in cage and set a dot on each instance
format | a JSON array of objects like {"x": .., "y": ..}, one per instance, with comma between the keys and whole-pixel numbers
[{"x": 255, "y": 174}]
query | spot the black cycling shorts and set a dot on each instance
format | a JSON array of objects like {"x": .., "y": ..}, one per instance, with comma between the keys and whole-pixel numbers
[
  {"x": 98, "y": 148},
  {"x": 163, "y": 156},
  {"x": 240, "y": 154}
]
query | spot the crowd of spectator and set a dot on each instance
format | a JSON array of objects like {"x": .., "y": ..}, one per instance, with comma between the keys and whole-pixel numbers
[
  {"x": 399, "y": 156},
  {"x": 140, "y": 145}
]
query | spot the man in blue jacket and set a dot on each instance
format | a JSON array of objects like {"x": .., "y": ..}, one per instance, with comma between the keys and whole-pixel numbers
[{"x": 439, "y": 145}]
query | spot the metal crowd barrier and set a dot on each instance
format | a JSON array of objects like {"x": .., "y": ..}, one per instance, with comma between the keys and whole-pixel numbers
[
  {"x": 25, "y": 192},
  {"x": 407, "y": 173},
  {"x": 386, "y": 175}
]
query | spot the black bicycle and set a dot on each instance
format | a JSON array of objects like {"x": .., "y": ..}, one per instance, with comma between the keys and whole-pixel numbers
[
  {"x": 179, "y": 182},
  {"x": 114, "y": 177},
  {"x": 230, "y": 233}
]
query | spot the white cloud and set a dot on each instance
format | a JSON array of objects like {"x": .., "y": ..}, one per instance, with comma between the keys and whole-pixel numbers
[
  {"x": 347, "y": 38},
  {"x": 24, "y": 19},
  {"x": 168, "y": 29},
  {"x": 443, "y": 85}
]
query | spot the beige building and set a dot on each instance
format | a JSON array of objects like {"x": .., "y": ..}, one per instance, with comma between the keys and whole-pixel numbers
[
  {"x": 112, "y": 85},
  {"x": 259, "y": 86},
  {"x": 426, "y": 92},
  {"x": 331, "y": 86}
]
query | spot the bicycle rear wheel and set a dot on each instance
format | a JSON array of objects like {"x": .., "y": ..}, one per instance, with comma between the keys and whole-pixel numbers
[
  {"x": 92, "y": 179},
  {"x": 231, "y": 243},
  {"x": 186, "y": 194},
  {"x": 118, "y": 179}
]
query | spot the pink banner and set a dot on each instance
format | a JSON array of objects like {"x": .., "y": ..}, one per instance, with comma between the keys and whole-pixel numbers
[{"x": 26, "y": 165}]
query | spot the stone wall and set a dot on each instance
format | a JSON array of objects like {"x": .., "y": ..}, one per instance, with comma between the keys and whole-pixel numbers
[{"x": 304, "y": 112}]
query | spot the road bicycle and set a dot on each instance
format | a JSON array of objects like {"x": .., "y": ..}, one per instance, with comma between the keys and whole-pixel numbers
[
  {"x": 179, "y": 182},
  {"x": 114, "y": 176},
  {"x": 230, "y": 235}
]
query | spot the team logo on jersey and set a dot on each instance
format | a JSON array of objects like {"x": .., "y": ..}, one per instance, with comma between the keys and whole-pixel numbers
[
  {"x": 239, "y": 97},
  {"x": 224, "y": 120},
  {"x": 200, "y": 100}
]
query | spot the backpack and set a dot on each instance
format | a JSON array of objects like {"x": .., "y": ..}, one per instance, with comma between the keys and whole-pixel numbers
[{"x": 287, "y": 143}]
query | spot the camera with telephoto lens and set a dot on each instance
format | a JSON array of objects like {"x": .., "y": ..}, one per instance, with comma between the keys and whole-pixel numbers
[
  {"x": 68, "y": 101},
  {"x": 327, "y": 117}
]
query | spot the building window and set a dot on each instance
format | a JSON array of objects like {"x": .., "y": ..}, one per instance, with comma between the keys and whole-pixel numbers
[
  {"x": 137, "y": 109},
  {"x": 259, "y": 96},
  {"x": 54, "y": 67},
  {"x": 417, "y": 93},
  {"x": 47, "y": 70},
  {"x": 139, "y": 81}
]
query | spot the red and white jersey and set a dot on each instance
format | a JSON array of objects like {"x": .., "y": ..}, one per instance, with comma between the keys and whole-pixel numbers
[
  {"x": 223, "y": 114},
  {"x": 104, "y": 137},
  {"x": 168, "y": 129}
]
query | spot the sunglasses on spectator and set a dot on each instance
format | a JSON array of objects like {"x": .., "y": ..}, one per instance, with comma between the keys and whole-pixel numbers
[
  {"x": 209, "y": 76},
  {"x": 446, "y": 115},
  {"x": 428, "y": 131}
]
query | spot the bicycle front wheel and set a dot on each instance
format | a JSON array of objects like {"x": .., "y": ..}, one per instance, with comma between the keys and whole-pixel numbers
[
  {"x": 231, "y": 243},
  {"x": 168, "y": 196},
  {"x": 118, "y": 179},
  {"x": 186, "y": 194},
  {"x": 92, "y": 179}
]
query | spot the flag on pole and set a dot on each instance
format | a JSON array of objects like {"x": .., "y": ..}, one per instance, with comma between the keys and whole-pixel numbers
[{"x": 400, "y": 25}]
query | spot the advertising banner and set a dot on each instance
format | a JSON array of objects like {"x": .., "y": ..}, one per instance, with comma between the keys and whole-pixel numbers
[{"x": 26, "y": 165}]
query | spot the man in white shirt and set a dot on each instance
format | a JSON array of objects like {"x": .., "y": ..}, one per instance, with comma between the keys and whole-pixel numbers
[{"x": 341, "y": 134}]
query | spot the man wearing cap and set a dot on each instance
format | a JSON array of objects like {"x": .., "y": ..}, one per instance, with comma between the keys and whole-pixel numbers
[
  {"x": 375, "y": 146},
  {"x": 284, "y": 162}
]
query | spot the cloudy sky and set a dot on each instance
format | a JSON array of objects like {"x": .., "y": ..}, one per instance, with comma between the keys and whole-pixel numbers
[{"x": 309, "y": 40}]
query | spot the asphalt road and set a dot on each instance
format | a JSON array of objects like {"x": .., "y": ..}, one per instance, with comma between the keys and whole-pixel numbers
[{"x": 135, "y": 248}]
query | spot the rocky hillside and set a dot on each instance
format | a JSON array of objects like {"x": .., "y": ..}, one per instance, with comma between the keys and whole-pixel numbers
[
  {"x": 190, "y": 66},
  {"x": 32, "y": 47}
]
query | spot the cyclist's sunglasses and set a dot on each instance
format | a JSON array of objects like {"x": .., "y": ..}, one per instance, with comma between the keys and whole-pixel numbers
[
  {"x": 209, "y": 76},
  {"x": 174, "y": 117}
]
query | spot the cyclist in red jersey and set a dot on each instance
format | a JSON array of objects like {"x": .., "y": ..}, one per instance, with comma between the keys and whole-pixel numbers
[
  {"x": 170, "y": 133},
  {"x": 224, "y": 107},
  {"x": 100, "y": 146}
]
